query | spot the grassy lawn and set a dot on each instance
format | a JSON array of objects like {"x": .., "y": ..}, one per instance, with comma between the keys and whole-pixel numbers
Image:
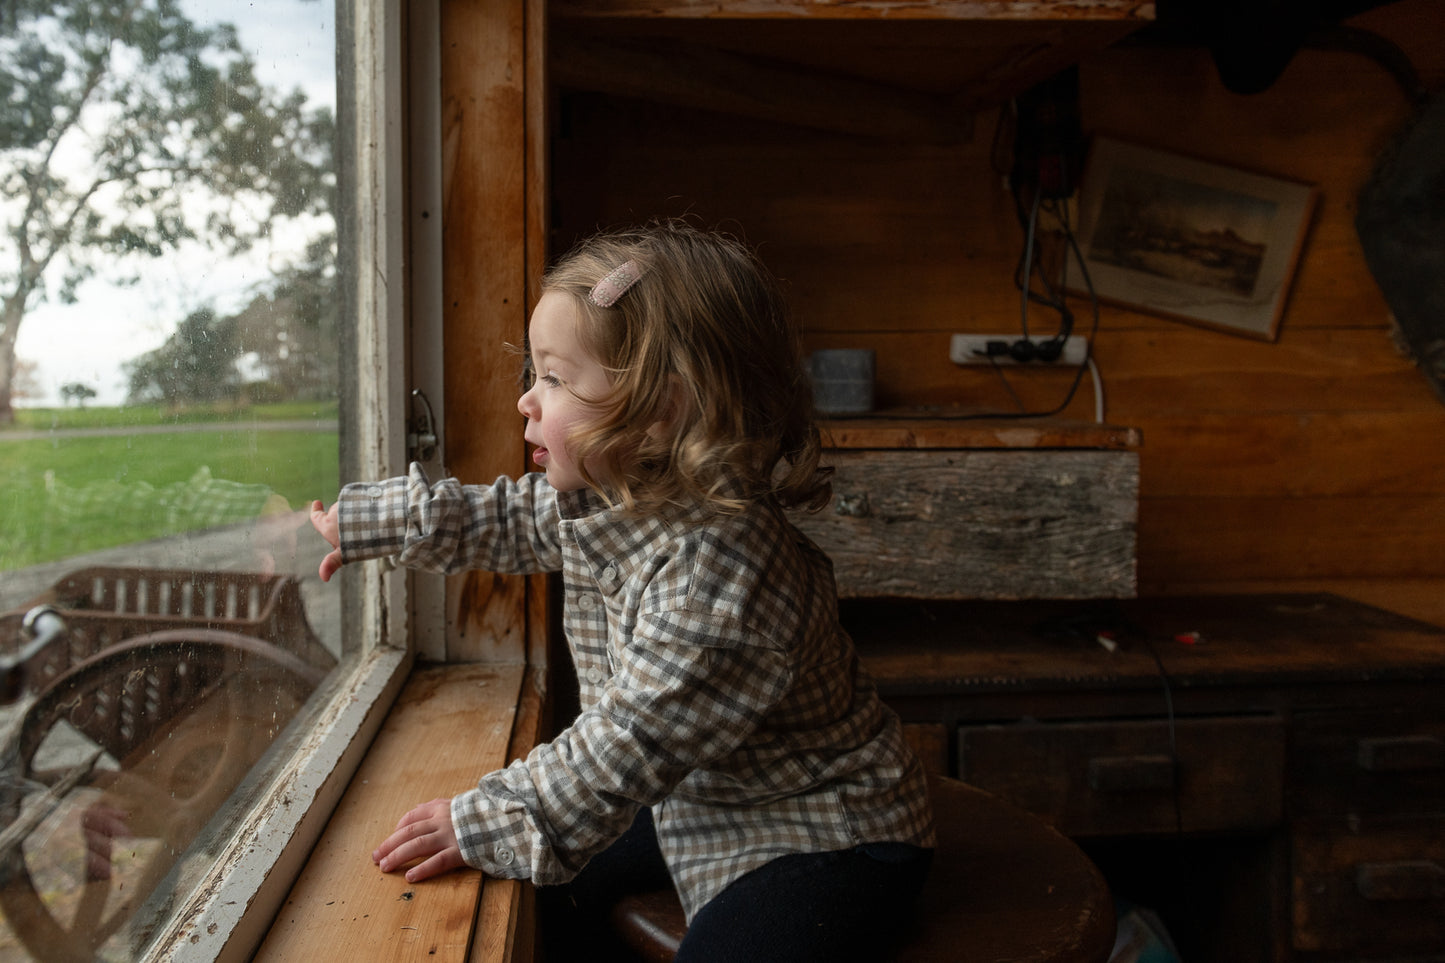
[
  {"x": 45, "y": 419},
  {"x": 65, "y": 495}
]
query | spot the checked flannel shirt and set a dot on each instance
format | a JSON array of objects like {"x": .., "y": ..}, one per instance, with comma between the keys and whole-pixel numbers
[{"x": 717, "y": 686}]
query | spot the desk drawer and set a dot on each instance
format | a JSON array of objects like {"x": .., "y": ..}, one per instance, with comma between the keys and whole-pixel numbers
[
  {"x": 1367, "y": 763},
  {"x": 945, "y": 524},
  {"x": 1121, "y": 778},
  {"x": 1374, "y": 887}
]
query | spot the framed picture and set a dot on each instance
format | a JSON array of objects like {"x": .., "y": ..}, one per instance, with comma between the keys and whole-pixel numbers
[{"x": 1191, "y": 240}]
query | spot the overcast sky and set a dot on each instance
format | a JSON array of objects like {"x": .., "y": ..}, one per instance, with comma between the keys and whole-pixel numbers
[{"x": 293, "y": 43}]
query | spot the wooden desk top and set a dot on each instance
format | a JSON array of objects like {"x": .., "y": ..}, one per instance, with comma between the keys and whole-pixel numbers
[{"x": 1197, "y": 641}]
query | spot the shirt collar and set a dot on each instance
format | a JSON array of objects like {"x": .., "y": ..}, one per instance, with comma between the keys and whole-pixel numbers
[
  {"x": 605, "y": 535},
  {"x": 580, "y": 503}
]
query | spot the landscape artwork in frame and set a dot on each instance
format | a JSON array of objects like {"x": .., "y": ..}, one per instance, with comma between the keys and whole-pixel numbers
[{"x": 1191, "y": 240}]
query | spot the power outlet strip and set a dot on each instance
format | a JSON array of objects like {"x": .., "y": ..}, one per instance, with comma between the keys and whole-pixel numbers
[{"x": 974, "y": 349}]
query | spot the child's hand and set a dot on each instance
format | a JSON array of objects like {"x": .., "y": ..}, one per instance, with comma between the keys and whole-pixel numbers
[
  {"x": 100, "y": 823},
  {"x": 326, "y": 523},
  {"x": 425, "y": 833}
]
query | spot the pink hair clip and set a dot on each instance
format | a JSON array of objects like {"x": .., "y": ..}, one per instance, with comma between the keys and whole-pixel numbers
[{"x": 615, "y": 284}]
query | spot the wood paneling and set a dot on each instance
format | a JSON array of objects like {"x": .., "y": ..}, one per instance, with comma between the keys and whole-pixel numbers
[
  {"x": 485, "y": 167},
  {"x": 1319, "y": 456}
]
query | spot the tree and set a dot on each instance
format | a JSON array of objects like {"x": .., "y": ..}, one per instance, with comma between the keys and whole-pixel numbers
[
  {"x": 286, "y": 336},
  {"x": 289, "y": 333},
  {"x": 127, "y": 131},
  {"x": 25, "y": 383},
  {"x": 76, "y": 391},
  {"x": 197, "y": 364}
]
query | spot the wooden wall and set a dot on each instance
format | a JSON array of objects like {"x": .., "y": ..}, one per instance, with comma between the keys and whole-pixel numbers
[{"x": 1297, "y": 464}]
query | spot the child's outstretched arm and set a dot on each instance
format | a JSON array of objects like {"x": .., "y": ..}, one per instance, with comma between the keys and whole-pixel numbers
[
  {"x": 326, "y": 523},
  {"x": 508, "y": 526},
  {"x": 425, "y": 833}
]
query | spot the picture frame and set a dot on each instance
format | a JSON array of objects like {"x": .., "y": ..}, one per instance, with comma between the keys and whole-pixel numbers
[{"x": 1191, "y": 240}]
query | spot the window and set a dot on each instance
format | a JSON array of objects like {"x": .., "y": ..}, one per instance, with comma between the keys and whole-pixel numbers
[{"x": 202, "y": 280}]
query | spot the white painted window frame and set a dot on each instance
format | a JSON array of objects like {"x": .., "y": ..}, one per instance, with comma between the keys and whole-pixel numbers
[{"x": 227, "y": 916}]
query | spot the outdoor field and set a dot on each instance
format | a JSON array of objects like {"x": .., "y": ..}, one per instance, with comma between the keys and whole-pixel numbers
[{"x": 75, "y": 480}]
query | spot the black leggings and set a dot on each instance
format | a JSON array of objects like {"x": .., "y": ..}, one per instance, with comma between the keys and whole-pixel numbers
[{"x": 846, "y": 905}]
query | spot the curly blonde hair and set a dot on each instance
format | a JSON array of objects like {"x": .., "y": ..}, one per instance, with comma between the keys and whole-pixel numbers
[{"x": 710, "y": 405}]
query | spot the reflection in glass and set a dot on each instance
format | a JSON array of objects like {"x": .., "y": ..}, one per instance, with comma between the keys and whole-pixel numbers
[{"x": 169, "y": 375}]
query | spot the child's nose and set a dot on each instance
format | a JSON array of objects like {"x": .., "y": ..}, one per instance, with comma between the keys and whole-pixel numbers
[{"x": 527, "y": 404}]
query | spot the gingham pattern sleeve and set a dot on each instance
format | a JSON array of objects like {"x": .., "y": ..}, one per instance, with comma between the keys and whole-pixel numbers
[{"x": 508, "y": 526}]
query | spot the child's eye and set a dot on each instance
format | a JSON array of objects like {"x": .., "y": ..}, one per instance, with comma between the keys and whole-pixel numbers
[{"x": 551, "y": 380}]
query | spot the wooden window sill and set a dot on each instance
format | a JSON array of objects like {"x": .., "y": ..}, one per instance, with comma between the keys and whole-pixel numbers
[{"x": 450, "y": 724}]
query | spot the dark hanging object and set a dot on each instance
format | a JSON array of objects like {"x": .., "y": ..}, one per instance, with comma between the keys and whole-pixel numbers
[
  {"x": 1253, "y": 41},
  {"x": 1401, "y": 223}
]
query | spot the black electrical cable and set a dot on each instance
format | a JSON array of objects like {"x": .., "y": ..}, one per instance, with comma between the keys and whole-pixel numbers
[
  {"x": 1173, "y": 739},
  {"x": 1072, "y": 247}
]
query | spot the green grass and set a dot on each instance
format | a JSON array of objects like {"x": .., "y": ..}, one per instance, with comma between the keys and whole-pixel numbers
[
  {"x": 65, "y": 495},
  {"x": 45, "y": 419}
]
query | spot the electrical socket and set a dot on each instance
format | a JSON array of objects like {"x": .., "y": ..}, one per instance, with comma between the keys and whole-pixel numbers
[{"x": 974, "y": 348}]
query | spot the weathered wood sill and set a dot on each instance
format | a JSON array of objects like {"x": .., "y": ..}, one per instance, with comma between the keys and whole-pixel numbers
[{"x": 450, "y": 724}]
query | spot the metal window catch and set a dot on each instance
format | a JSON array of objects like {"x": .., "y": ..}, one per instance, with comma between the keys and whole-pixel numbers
[{"x": 421, "y": 431}]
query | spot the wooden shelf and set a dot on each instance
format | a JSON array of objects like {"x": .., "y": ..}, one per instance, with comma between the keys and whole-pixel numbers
[
  {"x": 913, "y": 72},
  {"x": 958, "y": 508},
  {"x": 940, "y": 428}
]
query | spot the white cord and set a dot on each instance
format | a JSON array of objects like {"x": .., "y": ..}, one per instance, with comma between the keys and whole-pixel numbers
[{"x": 1098, "y": 391}]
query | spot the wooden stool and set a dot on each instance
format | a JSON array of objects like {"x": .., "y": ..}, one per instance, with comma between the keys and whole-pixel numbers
[{"x": 1004, "y": 886}]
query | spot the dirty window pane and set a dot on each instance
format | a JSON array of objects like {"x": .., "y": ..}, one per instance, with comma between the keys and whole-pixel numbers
[{"x": 169, "y": 376}]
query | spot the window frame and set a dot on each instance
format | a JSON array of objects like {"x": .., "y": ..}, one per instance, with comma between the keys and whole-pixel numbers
[{"x": 227, "y": 915}]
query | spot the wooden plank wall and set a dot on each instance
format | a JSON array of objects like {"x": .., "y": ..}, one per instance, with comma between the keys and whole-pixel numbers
[
  {"x": 1316, "y": 458},
  {"x": 492, "y": 62}
]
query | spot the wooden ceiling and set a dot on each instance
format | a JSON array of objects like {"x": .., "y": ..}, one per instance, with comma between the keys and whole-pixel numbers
[{"x": 916, "y": 71}]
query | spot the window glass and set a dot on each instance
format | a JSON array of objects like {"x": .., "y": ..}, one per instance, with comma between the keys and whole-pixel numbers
[{"x": 169, "y": 384}]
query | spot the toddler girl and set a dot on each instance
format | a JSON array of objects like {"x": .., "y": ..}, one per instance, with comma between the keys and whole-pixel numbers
[{"x": 728, "y": 738}]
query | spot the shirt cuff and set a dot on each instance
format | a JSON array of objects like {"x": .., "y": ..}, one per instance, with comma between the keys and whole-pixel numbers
[
  {"x": 372, "y": 519},
  {"x": 490, "y": 835}
]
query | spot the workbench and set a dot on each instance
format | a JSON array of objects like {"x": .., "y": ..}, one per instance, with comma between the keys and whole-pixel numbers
[{"x": 1269, "y": 769}]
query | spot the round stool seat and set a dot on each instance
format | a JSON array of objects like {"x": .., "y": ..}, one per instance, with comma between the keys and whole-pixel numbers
[{"x": 1004, "y": 886}]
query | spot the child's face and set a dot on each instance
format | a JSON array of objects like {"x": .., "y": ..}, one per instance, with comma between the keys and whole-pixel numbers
[{"x": 562, "y": 371}]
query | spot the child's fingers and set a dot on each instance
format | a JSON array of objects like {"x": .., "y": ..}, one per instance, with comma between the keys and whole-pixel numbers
[
  {"x": 324, "y": 521},
  {"x": 416, "y": 823},
  {"x": 330, "y": 564},
  {"x": 424, "y": 833},
  {"x": 396, "y": 852},
  {"x": 442, "y": 862},
  {"x": 406, "y": 846},
  {"x": 428, "y": 810}
]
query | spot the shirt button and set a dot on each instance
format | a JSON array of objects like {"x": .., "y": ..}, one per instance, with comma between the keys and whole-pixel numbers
[
  {"x": 586, "y": 602},
  {"x": 374, "y": 491},
  {"x": 609, "y": 575},
  {"x": 596, "y": 676},
  {"x": 505, "y": 856}
]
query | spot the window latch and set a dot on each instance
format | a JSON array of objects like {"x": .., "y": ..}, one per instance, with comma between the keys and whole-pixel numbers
[{"x": 421, "y": 432}]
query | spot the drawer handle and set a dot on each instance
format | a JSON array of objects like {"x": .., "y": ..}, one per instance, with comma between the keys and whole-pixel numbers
[
  {"x": 854, "y": 505},
  {"x": 1400, "y": 754},
  {"x": 1407, "y": 879},
  {"x": 1144, "y": 773}
]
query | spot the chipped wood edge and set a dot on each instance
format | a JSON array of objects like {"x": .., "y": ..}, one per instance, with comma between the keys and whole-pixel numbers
[{"x": 233, "y": 906}]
